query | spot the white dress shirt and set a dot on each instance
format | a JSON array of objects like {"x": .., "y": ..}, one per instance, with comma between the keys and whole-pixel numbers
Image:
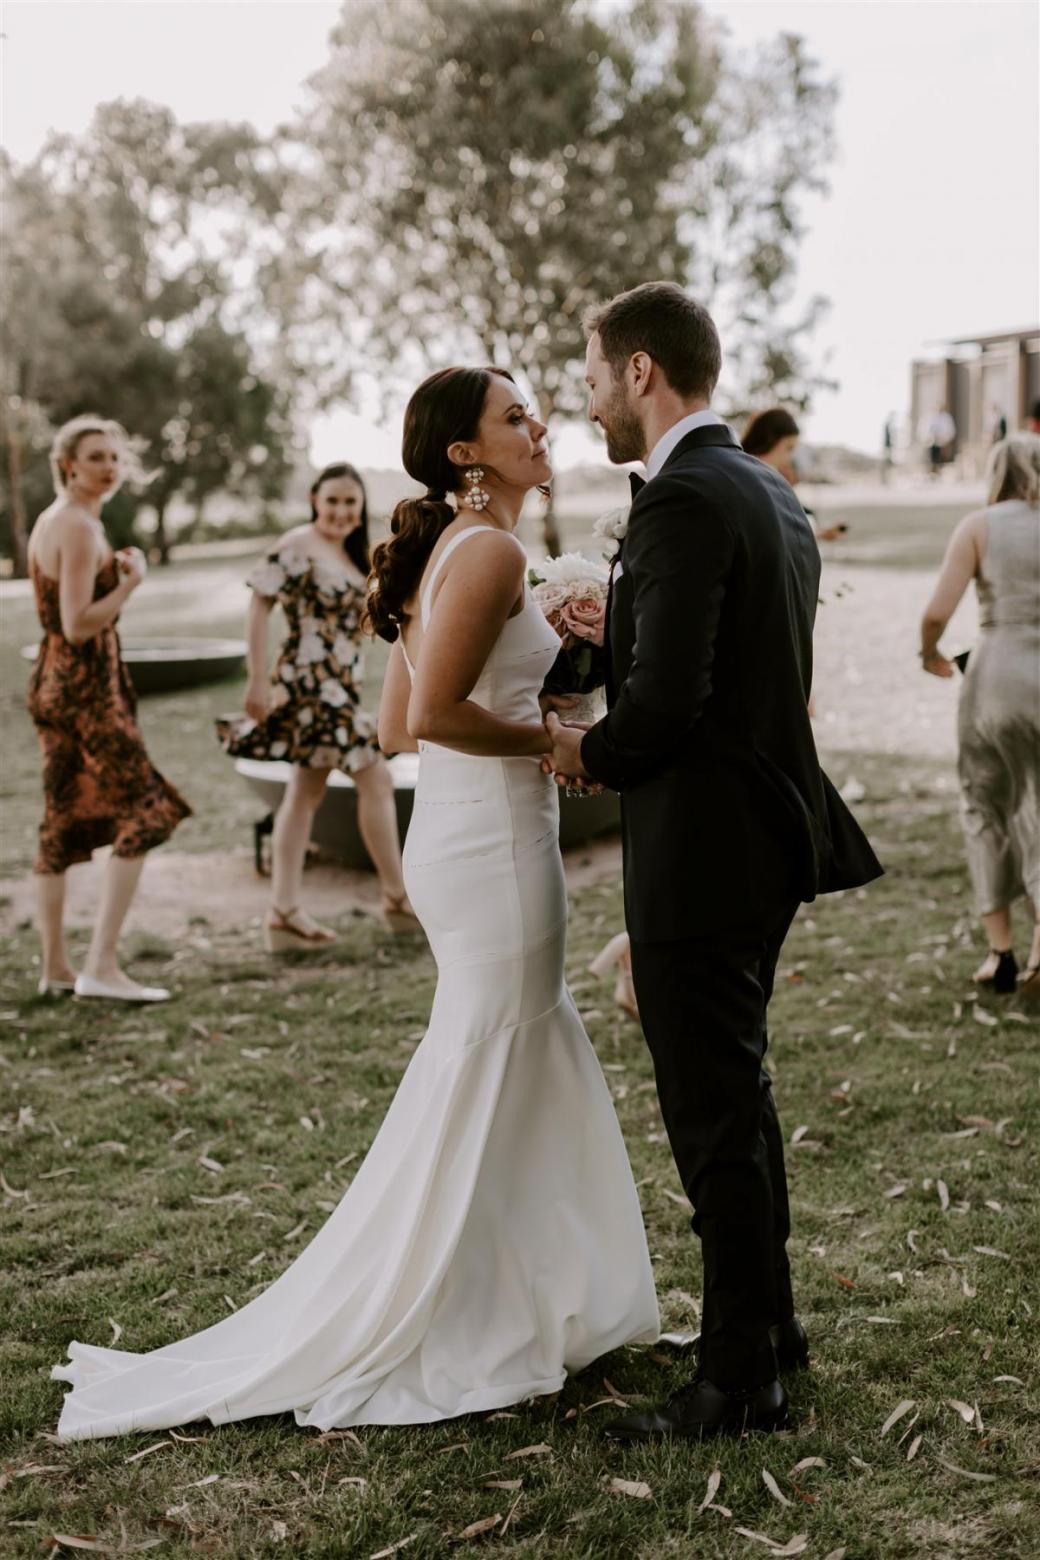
[{"x": 678, "y": 431}]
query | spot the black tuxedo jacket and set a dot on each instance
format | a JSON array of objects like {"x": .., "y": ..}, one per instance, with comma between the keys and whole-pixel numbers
[{"x": 724, "y": 806}]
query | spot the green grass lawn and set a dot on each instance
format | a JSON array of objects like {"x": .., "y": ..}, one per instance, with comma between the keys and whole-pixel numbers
[{"x": 912, "y": 1114}]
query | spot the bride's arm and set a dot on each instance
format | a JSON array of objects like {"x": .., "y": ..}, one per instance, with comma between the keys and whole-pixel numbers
[
  {"x": 481, "y": 586},
  {"x": 394, "y": 736}
]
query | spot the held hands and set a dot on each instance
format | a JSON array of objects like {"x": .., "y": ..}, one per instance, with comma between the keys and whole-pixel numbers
[{"x": 564, "y": 761}]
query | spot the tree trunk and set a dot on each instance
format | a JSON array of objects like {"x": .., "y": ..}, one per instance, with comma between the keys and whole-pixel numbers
[
  {"x": 19, "y": 530},
  {"x": 161, "y": 546},
  {"x": 551, "y": 529}
]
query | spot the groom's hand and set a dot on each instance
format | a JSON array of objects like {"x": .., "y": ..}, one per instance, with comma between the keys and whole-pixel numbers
[{"x": 564, "y": 761}]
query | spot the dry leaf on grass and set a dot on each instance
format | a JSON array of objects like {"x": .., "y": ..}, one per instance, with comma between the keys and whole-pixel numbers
[
  {"x": 456, "y": 1446},
  {"x": 774, "y": 1488},
  {"x": 714, "y": 1482},
  {"x": 503, "y": 1484},
  {"x": 915, "y": 1447},
  {"x": 402, "y": 1543},
  {"x": 207, "y": 1163},
  {"x": 836, "y": 1554},
  {"x": 806, "y": 1462},
  {"x": 944, "y": 1195},
  {"x": 794, "y": 1546},
  {"x": 198, "y": 1484},
  {"x": 967, "y": 1473},
  {"x": 117, "y": 1331},
  {"x": 1016, "y": 1379},
  {"x": 478, "y": 1529},
  {"x": 541, "y": 1450},
  {"x": 633, "y": 1487},
  {"x": 980, "y": 1016},
  {"x": 354, "y": 1480},
  {"x": 965, "y": 1410},
  {"x": 897, "y": 1414},
  {"x": 991, "y": 1251},
  {"x": 156, "y": 1446},
  {"x": 100, "y": 1546}
]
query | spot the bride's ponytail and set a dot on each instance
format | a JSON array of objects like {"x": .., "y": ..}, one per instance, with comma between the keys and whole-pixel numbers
[
  {"x": 446, "y": 409},
  {"x": 398, "y": 564}
]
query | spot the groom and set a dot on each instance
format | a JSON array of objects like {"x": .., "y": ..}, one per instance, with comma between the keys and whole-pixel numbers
[{"x": 728, "y": 821}]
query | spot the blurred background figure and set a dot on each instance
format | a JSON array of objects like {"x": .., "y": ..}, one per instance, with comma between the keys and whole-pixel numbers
[
  {"x": 999, "y": 713},
  {"x": 307, "y": 713},
  {"x": 772, "y": 436},
  {"x": 940, "y": 433},
  {"x": 100, "y": 787},
  {"x": 888, "y": 444},
  {"x": 999, "y": 424},
  {"x": 1033, "y": 420}
]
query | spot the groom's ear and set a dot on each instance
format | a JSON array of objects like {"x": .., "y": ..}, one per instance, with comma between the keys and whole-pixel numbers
[{"x": 640, "y": 372}]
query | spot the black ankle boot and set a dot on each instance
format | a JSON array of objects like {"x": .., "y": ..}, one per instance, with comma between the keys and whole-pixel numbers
[{"x": 1004, "y": 977}]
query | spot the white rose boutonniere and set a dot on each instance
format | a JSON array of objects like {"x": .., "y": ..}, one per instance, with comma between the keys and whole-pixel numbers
[{"x": 613, "y": 525}]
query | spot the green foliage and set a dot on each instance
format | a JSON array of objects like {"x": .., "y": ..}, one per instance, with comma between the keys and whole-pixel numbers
[
  {"x": 126, "y": 292},
  {"x": 482, "y": 172}
]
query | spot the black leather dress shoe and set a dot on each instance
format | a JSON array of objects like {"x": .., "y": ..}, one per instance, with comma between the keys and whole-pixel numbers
[
  {"x": 791, "y": 1345},
  {"x": 788, "y": 1339},
  {"x": 703, "y": 1410}
]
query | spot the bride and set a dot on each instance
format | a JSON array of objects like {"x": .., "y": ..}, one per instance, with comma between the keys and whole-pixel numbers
[{"x": 492, "y": 1239}]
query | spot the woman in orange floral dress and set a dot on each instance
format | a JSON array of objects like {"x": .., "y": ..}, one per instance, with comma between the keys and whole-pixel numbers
[{"x": 100, "y": 788}]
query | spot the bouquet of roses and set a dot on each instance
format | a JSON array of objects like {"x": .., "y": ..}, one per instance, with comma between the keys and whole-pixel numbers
[{"x": 572, "y": 593}]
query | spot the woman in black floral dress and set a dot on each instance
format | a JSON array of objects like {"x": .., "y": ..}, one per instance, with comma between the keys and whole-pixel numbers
[{"x": 307, "y": 713}]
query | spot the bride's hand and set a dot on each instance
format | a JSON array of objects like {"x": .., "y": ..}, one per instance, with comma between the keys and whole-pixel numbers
[{"x": 556, "y": 702}]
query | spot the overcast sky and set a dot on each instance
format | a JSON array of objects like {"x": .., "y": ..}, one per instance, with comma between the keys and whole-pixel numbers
[{"x": 931, "y": 229}]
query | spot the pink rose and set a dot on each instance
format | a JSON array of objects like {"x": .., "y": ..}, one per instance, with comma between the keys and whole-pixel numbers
[
  {"x": 551, "y": 599},
  {"x": 584, "y": 618}
]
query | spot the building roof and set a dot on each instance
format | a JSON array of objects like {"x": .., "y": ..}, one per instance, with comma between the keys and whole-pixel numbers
[{"x": 994, "y": 337}]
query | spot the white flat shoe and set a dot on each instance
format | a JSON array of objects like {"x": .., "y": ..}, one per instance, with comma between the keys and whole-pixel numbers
[
  {"x": 54, "y": 988},
  {"x": 87, "y": 986}
]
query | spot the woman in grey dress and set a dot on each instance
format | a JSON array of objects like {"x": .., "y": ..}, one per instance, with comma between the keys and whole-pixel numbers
[{"x": 999, "y": 715}]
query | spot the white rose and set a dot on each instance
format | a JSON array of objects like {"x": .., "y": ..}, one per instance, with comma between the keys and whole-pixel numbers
[
  {"x": 571, "y": 569},
  {"x": 613, "y": 524}
]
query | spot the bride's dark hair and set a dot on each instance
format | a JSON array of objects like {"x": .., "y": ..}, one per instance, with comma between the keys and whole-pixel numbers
[{"x": 447, "y": 407}]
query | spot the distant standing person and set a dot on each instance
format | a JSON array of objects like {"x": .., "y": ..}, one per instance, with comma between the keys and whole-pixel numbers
[
  {"x": 308, "y": 713},
  {"x": 1000, "y": 425},
  {"x": 1033, "y": 420},
  {"x": 888, "y": 442},
  {"x": 772, "y": 436},
  {"x": 999, "y": 715},
  {"x": 100, "y": 787},
  {"x": 941, "y": 433}
]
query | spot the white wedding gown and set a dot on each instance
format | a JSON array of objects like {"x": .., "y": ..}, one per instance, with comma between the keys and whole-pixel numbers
[{"x": 492, "y": 1239}]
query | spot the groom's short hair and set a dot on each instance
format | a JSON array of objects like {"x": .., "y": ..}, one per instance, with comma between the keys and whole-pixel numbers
[{"x": 658, "y": 318}]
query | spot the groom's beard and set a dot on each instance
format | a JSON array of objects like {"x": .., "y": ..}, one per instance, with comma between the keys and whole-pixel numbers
[{"x": 625, "y": 438}]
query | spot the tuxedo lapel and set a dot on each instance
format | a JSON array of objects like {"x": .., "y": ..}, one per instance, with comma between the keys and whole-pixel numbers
[{"x": 636, "y": 485}]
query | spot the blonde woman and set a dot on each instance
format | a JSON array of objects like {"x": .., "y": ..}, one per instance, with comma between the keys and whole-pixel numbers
[
  {"x": 100, "y": 787},
  {"x": 999, "y": 717}
]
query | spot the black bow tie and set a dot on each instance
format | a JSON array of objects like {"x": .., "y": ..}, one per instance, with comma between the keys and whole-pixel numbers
[{"x": 636, "y": 483}]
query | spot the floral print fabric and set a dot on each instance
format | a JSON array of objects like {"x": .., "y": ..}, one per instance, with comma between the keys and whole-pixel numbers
[
  {"x": 315, "y": 719},
  {"x": 99, "y": 785}
]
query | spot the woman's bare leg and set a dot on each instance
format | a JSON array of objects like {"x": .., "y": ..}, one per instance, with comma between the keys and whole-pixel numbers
[
  {"x": 118, "y": 886},
  {"x": 291, "y": 836},
  {"x": 997, "y": 925},
  {"x": 377, "y": 825},
  {"x": 50, "y": 919}
]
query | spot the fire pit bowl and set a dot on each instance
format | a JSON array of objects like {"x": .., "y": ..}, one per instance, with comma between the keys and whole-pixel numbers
[
  {"x": 164, "y": 665},
  {"x": 335, "y": 827}
]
